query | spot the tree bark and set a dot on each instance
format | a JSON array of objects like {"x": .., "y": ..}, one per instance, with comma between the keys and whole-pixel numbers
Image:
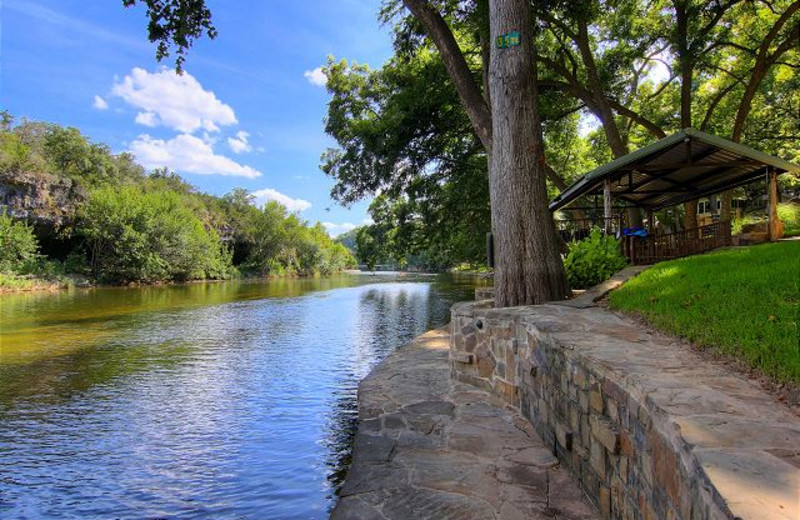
[
  {"x": 686, "y": 69},
  {"x": 685, "y": 62},
  {"x": 529, "y": 269}
]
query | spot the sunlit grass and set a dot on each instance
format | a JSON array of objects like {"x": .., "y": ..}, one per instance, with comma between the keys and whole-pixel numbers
[
  {"x": 789, "y": 213},
  {"x": 15, "y": 283},
  {"x": 744, "y": 302}
]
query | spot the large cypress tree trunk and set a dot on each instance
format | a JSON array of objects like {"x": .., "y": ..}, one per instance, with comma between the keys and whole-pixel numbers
[{"x": 528, "y": 266}]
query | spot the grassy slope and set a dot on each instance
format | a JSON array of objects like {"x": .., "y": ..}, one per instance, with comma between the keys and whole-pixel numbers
[{"x": 744, "y": 301}]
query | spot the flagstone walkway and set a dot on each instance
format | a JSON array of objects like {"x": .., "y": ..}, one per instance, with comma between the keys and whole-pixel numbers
[{"x": 431, "y": 448}]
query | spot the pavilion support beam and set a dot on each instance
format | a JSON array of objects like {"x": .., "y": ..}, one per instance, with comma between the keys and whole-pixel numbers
[
  {"x": 607, "y": 205},
  {"x": 690, "y": 214},
  {"x": 775, "y": 225}
]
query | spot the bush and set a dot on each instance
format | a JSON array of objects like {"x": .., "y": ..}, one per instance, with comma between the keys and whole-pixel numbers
[
  {"x": 745, "y": 220},
  {"x": 18, "y": 245},
  {"x": 593, "y": 260},
  {"x": 789, "y": 213},
  {"x": 134, "y": 235}
]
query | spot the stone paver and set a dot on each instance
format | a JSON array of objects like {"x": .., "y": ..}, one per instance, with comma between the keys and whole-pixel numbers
[{"x": 431, "y": 448}]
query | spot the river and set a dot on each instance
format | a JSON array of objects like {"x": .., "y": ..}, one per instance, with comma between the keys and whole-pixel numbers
[{"x": 219, "y": 400}]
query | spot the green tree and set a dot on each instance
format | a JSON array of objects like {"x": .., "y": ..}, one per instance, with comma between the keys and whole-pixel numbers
[
  {"x": 369, "y": 249},
  {"x": 133, "y": 235}
]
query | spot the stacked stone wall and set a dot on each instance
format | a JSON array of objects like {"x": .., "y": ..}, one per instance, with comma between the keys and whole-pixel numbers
[{"x": 618, "y": 445}]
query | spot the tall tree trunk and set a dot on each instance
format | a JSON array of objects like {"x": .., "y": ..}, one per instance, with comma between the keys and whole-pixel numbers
[
  {"x": 528, "y": 268},
  {"x": 686, "y": 65}
]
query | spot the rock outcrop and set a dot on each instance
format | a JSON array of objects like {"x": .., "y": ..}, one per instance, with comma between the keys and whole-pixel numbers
[{"x": 48, "y": 202}]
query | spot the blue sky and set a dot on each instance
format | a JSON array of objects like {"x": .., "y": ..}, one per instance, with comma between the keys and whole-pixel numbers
[{"x": 250, "y": 106}]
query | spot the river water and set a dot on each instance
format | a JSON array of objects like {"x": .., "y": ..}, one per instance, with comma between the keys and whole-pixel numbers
[{"x": 221, "y": 400}]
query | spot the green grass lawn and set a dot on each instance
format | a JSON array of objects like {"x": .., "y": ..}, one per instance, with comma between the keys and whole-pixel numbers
[{"x": 744, "y": 302}]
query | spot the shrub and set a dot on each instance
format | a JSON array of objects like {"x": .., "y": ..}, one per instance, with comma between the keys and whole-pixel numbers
[
  {"x": 745, "y": 220},
  {"x": 133, "y": 235},
  {"x": 18, "y": 245},
  {"x": 593, "y": 260}
]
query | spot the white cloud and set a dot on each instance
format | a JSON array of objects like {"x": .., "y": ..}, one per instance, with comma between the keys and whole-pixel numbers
[
  {"x": 335, "y": 229},
  {"x": 187, "y": 154},
  {"x": 240, "y": 144},
  {"x": 99, "y": 103},
  {"x": 176, "y": 101},
  {"x": 267, "y": 194},
  {"x": 147, "y": 119},
  {"x": 316, "y": 77},
  {"x": 367, "y": 221}
]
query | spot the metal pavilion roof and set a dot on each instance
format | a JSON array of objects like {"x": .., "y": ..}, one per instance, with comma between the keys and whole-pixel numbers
[{"x": 684, "y": 166}]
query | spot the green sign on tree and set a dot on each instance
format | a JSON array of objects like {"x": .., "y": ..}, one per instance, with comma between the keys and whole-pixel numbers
[{"x": 507, "y": 40}]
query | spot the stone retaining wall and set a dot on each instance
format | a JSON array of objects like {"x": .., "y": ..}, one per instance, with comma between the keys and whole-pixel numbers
[{"x": 595, "y": 388}]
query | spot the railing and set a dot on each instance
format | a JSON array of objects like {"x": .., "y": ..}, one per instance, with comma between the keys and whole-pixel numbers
[
  {"x": 655, "y": 248},
  {"x": 578, "y": 229}
]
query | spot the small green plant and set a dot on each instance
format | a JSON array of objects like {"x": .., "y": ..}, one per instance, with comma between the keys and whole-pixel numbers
[
  {"x": 19, "y": 248},
  {"x": 593, "y": 260}
]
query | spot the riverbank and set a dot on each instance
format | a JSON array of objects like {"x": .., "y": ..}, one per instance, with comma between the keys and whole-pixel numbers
[
  {"x": 14, "y": 284},
  {"x": 428, "y": 447},
  {"x": 17, "y": 284}
]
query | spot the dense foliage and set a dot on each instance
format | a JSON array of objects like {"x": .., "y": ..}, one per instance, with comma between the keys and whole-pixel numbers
[
  {"x": 593, "y": 260},
  {"x": 614, "y": 75},
  {"x": 132, "y": 234},
  {"x": 114, "y": 222}
]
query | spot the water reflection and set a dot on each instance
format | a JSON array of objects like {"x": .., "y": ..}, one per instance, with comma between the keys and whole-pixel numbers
[{"x": 211, "y": 400}]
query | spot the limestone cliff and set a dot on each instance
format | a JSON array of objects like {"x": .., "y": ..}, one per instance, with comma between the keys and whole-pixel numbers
[{"x": 48, "y": 202}]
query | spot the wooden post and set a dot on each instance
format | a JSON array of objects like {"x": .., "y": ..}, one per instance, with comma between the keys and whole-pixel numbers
[
  {"x": 607, "y": 205},
  {"x": 489, "y": 250},
  {"x": 775, "y": 231},
  {"x": 650, "y": 227}
]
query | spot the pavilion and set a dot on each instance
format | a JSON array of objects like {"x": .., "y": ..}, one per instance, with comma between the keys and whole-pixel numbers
[{"x": 682, "y": 167}]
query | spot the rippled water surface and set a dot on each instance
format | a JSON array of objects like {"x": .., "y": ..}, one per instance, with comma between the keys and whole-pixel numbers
[{"x": 232, "y": 400}]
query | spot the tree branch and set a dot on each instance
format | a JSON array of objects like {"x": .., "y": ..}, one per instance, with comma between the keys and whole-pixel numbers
[
  {"x": 714, "y": 102},
  {"x": 636, "y": 117},
  {"x": 478, "y": 111}
]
